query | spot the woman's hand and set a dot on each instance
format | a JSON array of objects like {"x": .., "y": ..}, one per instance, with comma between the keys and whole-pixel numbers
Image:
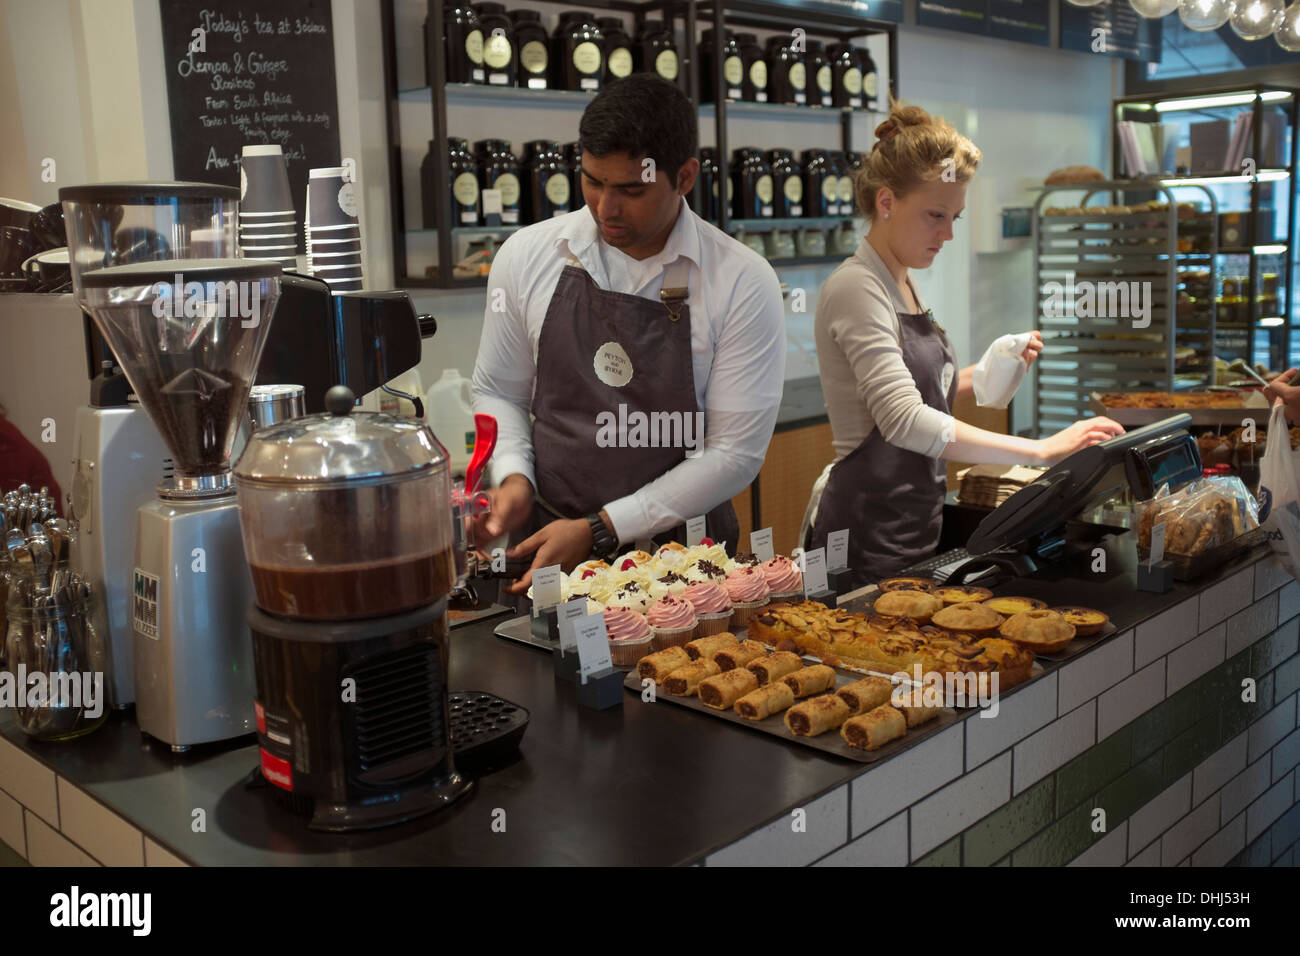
[
  {"x": 1033, "y": 348},
  {"x": 1280, "y": 390},
  {"x": 1089, "y": 431}
]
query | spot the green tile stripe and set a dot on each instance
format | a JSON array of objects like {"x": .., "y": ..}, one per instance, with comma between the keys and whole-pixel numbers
[{"x": 1052, "y": 822}]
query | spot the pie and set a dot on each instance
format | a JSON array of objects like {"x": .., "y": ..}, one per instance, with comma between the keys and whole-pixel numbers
[
  {"x": 959, "y": 593},
  {"x": 918, "y": 605},
  {"x": 969, "y": 617},
  {"x": 1044, "y": 632},
  {"x": 1015, "y": 605},
  {"x": 906, "y": 584},
  {"x": 1086, "y": 621}
]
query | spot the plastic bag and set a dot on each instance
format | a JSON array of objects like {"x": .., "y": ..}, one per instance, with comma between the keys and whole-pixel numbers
[
  {"x": 1001, "y": 370},
  {"x": 1202, "y": 515},
  {"x": 1279, "y": 503}
]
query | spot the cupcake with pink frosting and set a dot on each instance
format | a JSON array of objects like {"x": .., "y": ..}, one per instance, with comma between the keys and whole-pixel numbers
[
  {"x": 673, "y": 622},
  {"x": 712, "y": 607},
  {"x": 784, "y": 581},
  {"x": 629, "y": 636},
  {"x": 747, "y": 588}
]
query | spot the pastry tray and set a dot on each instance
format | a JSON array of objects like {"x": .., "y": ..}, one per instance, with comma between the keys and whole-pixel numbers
[
  {"x": 1251, "y": 402},
  {"x": 830, "y": 742},
  {"x": 520, "y": 629},
  {"x": 1189, "y": 567}
]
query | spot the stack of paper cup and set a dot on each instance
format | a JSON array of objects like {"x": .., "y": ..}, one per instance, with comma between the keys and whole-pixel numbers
[
  {"x": 268, "y": 228},
  {"x": 333, "y": 232}
]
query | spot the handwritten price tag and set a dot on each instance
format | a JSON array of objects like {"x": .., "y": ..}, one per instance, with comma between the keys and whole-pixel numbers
[
  {"x": 760, "y": 542},
  {"x": 593, "y": 645},
  {"x": 814, "y": 574},
  {"x": 695, "y": 530},
  {"x": 837, "y": 550},
  {"x": 567, "y": 614},
  {"x": 1157, "y": 544},
  {"x": 546, "y": 587}
]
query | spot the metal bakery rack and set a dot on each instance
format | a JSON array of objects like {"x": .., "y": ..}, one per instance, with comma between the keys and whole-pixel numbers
[{"x": 1095, "y": 241}]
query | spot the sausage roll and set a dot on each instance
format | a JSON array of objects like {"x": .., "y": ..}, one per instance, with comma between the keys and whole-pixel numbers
[
  {"x": 722, "y": 690},
  {"x": 773, "y": 667},
  {"x": 709, "y": 646},
  {"x": 915, "y": 716},
  {"x": 811, "y": 680},
  {"x": 740, "y": 655},
  {"x": 866, "y": 694},
  {"x": 874, "y": 729},
  {"x": 683, "y": 681},
  {"x": 765, "y": 701},
  {"x": 660, "y": 664},
  {"x": 809, "y": 718}
]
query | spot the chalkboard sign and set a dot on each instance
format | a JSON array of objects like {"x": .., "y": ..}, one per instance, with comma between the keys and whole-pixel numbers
[
  {"x": 243, "y": 73},
  {"x": 1025, "y": 21},
  {"x": 1124, "y": 33}
]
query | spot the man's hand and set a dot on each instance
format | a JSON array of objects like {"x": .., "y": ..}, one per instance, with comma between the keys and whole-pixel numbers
[
  {"x": 1033, "y": 348},
  {"x": 1280, "y": 390},
  {"x": 561, "y": 542},
  {"x": 512, "y": 503}
]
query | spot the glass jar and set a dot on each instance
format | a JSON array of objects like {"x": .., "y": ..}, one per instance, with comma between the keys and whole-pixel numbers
[
  {"x": 787, "y": 76},
  {"x": 547, "y": 188},
  {"x": 499, "y": 58},
  {"x": 462, "y": 47},
  {"x": 846, "y": 76},
  {"x": 821, "y": 84},
  {"x": 573, "y": 158},
  {"x": 534, "y": 51},
  {"x": 498, "y": 169},
  {"x": 577, "y": 61},
  {"x": 733, "y": 67},
  {"x": 55, "y": 647},
  {"x": 616, "y": 48},
  {"x": 787, "y": 182},
  {"x": 465, "y": 209},
  {"x": 346, "y": 515},
  {"x": 708, "y": 185},
  {"x": 754, "y": 69},
  {"x": 843, "y": 183},
  {"x": 656, "y": 51},
  {"x": 821, "y": 187},
  {"x": 870, "y": 81},
  {"x": 753, "y": 184}
]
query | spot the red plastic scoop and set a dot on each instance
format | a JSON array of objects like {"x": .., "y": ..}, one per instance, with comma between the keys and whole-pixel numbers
[{"x": 485, "y": 442}]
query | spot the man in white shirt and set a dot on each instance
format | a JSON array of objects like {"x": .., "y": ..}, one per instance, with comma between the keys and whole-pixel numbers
[{"x": 632, "y": 354}]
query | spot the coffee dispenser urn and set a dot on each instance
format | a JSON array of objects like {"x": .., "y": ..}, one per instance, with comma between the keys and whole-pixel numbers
[{"x": 347, "y": 526}]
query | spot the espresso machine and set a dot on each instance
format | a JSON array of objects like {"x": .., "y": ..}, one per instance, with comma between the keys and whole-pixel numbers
[
  {"x": 120, "y": 455},
  {"x": 348, "y": 530},
  {"x": 189, "y": 334}
]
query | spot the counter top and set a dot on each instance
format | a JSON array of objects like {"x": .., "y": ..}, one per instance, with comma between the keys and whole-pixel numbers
[{"x": 649, "y": 784}]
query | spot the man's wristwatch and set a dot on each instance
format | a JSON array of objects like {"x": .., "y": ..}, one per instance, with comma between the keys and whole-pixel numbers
[{"x": 603, "y": 543}]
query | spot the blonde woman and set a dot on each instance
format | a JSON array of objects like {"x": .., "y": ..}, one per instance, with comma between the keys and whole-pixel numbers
[{"x": 888, "y": 371}]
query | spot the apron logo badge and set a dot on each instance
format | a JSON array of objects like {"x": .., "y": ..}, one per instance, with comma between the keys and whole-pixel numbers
[{"x": 612, "y": 364}]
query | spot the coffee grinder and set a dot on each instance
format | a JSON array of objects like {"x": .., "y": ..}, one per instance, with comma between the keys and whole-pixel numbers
[
  {"x": 120, "y": 456},
  {"x": 348, "y": 530},
  {"x": 189, "y": 334}
]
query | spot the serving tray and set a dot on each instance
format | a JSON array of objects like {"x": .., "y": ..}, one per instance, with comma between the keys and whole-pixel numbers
[{"x": 829, "y": 743}]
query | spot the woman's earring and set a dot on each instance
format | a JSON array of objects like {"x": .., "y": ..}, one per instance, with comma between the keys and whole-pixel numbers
[{"x": 886, "y": 215}]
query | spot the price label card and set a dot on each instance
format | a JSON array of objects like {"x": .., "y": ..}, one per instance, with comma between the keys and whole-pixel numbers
[
  {"x": 814, "y": 574},
  {"x": 760, "y": 542},
  {"x": 1157, "y": 544},
  {"x": 567, "y": 614},
  {"x": 695, "y": 530},
  {"x": 546, "y": 587},
  {"x": 491, "y": 201},
  {"x": 593, "y": 645},
  {"x": 837, "y": 550}
]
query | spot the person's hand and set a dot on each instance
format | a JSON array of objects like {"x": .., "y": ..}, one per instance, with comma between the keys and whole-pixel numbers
[
  {"x": 1033, "y": 348},
  {"x": 563, "y": 542},
  {"x": 512, "y": 503},
  {"x": 1281, "y": 391},
  {"x": 1089, "y": 431}
]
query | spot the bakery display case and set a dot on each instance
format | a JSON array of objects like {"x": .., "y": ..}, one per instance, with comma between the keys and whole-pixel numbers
[
  {"x": 491, "y": 75},
  {"x": 1112, "y": 270}
]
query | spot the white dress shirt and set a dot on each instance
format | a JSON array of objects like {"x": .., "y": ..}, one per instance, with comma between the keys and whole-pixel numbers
[
  {"x": 865, "y": 381},
  {"x": 737, "y": 348}
]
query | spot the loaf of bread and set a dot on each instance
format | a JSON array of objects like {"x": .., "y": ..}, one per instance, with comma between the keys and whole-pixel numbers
[{"x": 1074, "y": 174}]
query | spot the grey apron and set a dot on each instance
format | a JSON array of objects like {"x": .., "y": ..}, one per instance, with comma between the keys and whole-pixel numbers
[
  {"x": 891, "y": 499},
  {"x": 575, "y": 475}
]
